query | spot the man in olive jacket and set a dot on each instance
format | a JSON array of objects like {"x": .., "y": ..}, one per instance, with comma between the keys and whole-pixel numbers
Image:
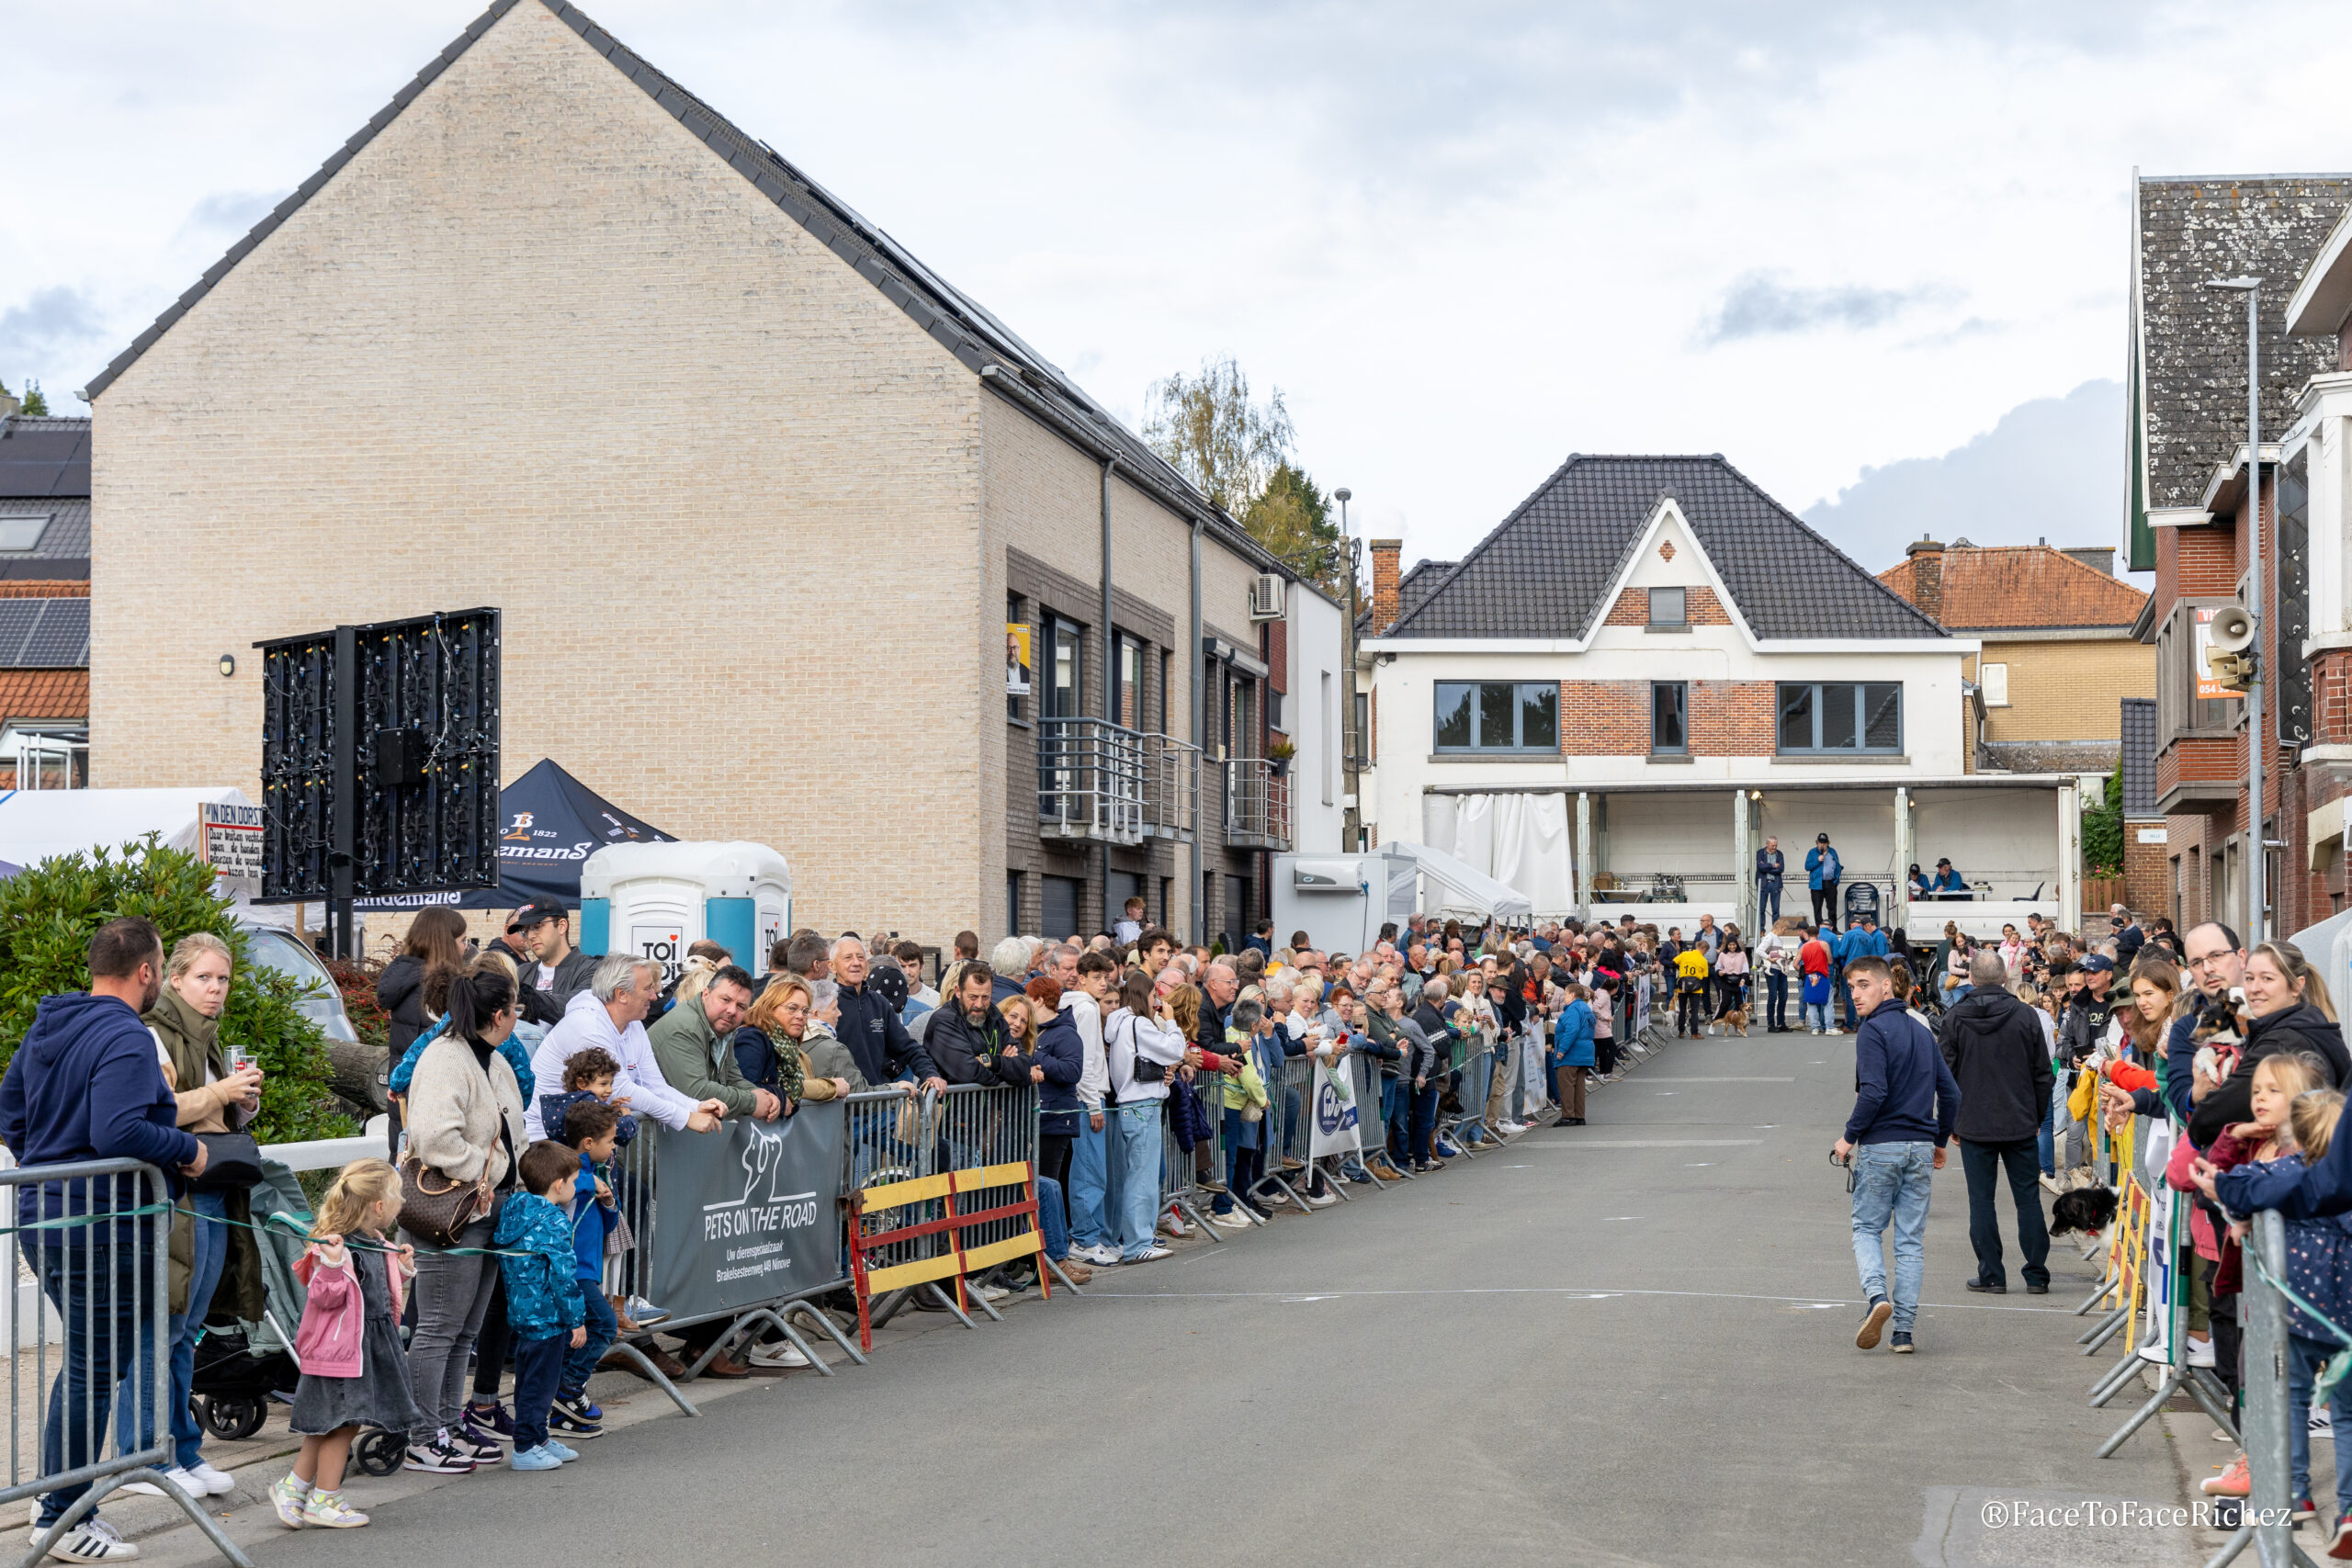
[
  {"x": 1993, "y": 1044},
  {"x": 693, "y": 1046}
]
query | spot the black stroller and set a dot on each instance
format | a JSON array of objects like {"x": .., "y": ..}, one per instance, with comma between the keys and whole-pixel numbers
[{"x": 242, "y": 1366}]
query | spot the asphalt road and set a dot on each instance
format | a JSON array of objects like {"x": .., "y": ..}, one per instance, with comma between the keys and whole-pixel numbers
[{"x": 1624, "y": 1343}]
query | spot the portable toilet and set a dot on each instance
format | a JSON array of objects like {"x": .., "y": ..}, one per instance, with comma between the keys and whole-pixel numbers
[{"x": 655, "y": 900}]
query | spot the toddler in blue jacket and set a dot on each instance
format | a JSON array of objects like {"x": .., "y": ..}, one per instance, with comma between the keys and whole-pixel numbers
[{"x": 544, "y": 1310}]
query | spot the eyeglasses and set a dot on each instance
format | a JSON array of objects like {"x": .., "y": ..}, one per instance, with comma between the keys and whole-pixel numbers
[{"x": 801, "y": 1007}]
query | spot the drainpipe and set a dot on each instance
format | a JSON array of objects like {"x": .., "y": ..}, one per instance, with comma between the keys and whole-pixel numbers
[
  {"x": 1200, "y": 748},
  {"x": 1109, "y": 687}
]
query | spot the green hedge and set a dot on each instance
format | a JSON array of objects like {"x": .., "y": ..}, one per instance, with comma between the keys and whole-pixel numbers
[{"x": 49, "y": 912}]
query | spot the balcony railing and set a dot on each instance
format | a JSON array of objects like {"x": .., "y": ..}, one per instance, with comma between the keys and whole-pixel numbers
[
  {"x": 1256, "y": 805},
  {"x": 1172, "y": 787},
  {"x": 1090, "y": 780}
]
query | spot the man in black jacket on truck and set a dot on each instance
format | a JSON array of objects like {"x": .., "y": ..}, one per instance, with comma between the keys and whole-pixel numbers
[{"x": 1993, "y": 1044}]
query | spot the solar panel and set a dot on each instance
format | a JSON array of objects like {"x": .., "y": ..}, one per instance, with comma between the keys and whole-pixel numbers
[{"x": 59, "y": 638}]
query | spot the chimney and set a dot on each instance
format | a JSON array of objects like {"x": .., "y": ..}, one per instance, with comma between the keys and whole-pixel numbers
[
  {"x": 2098, "y": 557},
  {"x": 1384, "y": 583},
  {"x": 1928, "y": 578}
]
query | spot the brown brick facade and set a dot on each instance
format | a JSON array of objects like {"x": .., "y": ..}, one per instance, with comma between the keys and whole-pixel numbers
[
  {"x": 1612, "y": 718},
  {"x": 1632, "y": 608}
]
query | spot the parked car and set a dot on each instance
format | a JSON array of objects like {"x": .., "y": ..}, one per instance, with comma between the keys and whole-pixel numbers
[{"x": 281, "y": 950}]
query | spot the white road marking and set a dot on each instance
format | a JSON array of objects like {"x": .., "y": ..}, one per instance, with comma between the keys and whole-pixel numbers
[
  {"x": 1649, "y": 1144},
  {"x": 1095, "y": 1293},
  {"x": 1647, "y": 1079}
]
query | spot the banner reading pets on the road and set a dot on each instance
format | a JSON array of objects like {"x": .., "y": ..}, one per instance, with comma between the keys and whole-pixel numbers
[
  {"x": 1331, "y": 1123},
  {"x": 746, "y": 1214}
]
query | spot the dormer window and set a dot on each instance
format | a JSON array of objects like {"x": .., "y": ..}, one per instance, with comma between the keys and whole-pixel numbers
[{"x": 1670, "y": 610}]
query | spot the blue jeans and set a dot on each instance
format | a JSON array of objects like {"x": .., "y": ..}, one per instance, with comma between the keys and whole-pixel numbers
[
  {"x": 98, "y": 1290},
  {"x": 1053, "y": 1224},
  {"x": 1425, "y": 1121},
  {"x": 1135, "y": 1176},
  {"x": 538, "y": 1367},
  {"x": 1089, "y": 1221},
  {"x": 1394, "y": 1097},
  {"x": 211, "y": 1250},
  {"x": 2044, "y": 1141},
  {"x": 1776, "y": 1000},
  {"x": 1890, "y": 1188},
  {"x": 1817, "y": 1016},
  {"x": 1768, "y": 901},
  {"x": 1242, "y": 1166},
  {"x": 2305, "y": 1359},
  {"x": 1845, "y": 1000},
  {"x": 603, "y": 1329}
]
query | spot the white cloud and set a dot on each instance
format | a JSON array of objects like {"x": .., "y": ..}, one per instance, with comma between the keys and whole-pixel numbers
[
  {"x": 1463, "y": 242},
  {"x": 2048, "y": 469}
]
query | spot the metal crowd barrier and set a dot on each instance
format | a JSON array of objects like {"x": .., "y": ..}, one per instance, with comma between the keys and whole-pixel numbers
[
  {"x": 1470, "y": 1093},
  {"x": 108, "y": 1282},
  {"x": 971, "y": 1125},
  {"x": 1180, "y": 1168}
]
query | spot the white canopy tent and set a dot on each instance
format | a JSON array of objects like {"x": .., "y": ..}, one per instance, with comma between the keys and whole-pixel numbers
[
  {"x": 1449, "y": 887},
  {"x": 36, "y": 825},
  {"x": 1520, "y": 841}
]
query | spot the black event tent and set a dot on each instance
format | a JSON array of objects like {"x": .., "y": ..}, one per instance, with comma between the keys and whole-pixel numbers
[{"x": 549, "y": 824}]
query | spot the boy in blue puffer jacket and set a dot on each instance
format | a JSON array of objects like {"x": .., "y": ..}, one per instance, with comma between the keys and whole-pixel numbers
[{"x": 544, "y": 1309}]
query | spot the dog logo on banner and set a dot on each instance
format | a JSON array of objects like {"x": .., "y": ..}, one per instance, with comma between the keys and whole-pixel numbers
[{"x": 1335, "y": 1128}]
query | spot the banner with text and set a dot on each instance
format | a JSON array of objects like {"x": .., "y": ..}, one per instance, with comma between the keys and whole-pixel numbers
[
  {"x": 746, "y": 1214},
  {"x": 1331, "y": 1122}
]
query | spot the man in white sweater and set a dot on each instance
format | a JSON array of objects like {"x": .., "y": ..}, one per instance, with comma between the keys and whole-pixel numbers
[{"x": 611, "y": 1013}]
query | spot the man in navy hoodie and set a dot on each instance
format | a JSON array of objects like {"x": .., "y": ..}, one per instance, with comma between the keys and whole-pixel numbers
[
  {"x": 87, "y": 1085},
  {"x": 1905, "y": 1105}
]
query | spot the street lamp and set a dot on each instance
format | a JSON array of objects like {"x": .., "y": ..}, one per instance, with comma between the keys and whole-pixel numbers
[
  {"x": 1348, "y": 673},
  {"x": 2255, "y": 868}
]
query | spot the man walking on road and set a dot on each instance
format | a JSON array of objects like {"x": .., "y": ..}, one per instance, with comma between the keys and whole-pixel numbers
[
  {"x": 1822, "y": 870},
  {"x": 1993, "y": 1044},
  {"x": 1905, "y": 1105}
]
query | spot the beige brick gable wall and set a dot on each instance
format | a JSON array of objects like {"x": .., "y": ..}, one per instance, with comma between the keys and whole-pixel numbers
[{"x": 535, "y": 346}]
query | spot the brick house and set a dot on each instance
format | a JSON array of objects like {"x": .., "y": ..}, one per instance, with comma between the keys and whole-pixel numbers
[
  {"x": 1685, "y": 667},
  {"x": 2189, "y": 522},
  {"x": 2058, "y": 651},
  {"x": 763, "y": 498},
  {"x": 44, "y": 601}
]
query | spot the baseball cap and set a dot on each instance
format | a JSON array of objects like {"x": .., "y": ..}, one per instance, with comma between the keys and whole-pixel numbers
[
  {"x": 889, "y": 982},
  {"x": 1821, "y": 838},
  {"x": 2096, "y": 963},
  {"x": 1944, "y": 862},
  {"x": 534, "y": 912}
]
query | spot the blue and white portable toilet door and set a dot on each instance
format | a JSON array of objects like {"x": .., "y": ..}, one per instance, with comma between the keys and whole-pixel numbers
[{"x": 654, "y": 901}]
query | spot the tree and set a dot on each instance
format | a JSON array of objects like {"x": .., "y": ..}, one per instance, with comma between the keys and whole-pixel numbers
[
  {"x": 2103, "y": 830},
  {"x": 35, "y": 403},
  {"x": 1293, "y": 518},
  {"x": 1238, "y": 454},
  {"x": 50, "y": 911},
  {"x": 1213, "y": 435}
]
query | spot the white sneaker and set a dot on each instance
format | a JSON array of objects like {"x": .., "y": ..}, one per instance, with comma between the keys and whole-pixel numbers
[
  {"x": 1312, "y": 1202},
  {"x": 2200, "y": 1352},
  {"x": 987, "y": 1292},
  {"x": 2321, "y": 1421},
  {"x": 1229, "y": 1222},
  {"x": 92, "y": 1541},
  {"x": 190, "y": 1481},
  {"x": 220, "y": 1483},
  {"x": 1277, "y": 1196},
  {"x": 1154, "y": 1256},
  {"x": 143, "y": 1488},
  {"x": 785, "y": 1355},
  {"x": 1105, "y": 1257}
]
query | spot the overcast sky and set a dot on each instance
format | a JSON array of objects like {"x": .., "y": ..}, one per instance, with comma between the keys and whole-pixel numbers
[{"x": 1874, "y": 256}]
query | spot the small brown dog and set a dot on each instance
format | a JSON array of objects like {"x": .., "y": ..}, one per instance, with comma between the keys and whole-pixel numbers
[{"x": 1735, "y": 1020}]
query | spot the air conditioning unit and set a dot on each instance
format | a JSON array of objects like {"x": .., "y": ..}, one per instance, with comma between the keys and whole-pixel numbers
[{"x": 1266, "y": 597}]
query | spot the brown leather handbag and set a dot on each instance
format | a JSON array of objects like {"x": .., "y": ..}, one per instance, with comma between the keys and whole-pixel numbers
[{"x": 434, "y": 1208}]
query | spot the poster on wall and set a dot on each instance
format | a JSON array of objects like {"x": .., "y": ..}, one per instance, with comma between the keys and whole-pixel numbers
[
  {"x": 1016, "y": 660},
  {"x": 231, "y": 844},
  {"x": 2207, "y": 685}
]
